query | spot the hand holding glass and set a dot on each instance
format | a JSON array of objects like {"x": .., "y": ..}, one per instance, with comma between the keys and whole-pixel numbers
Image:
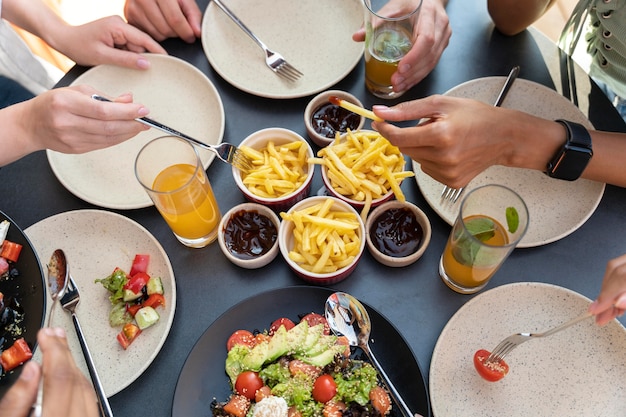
[
  {"x": 171, "y": 172},
  {"x": 491, "y": 222},
  {"x": 388, "y": 38}
]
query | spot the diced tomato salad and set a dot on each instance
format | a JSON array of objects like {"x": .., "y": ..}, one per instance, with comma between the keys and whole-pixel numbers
[
  {"x": 18, "y": 352},
  {"x": 135, "y": 298}
]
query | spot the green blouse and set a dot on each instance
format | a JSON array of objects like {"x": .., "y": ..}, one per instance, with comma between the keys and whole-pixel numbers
[{"x": 603, "y": 23}]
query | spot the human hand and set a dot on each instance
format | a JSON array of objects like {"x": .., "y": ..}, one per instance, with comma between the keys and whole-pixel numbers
[
  {"x": 67, "y": 392},
  {"x": 431, "y": 37},
  {"x": 68, "y": 120},
  {"x": 611, "y": 302},
  {"x": 109, "y": 40},
  {"x": 164, "y": 19},
  {"x": 458, "y": 139}
]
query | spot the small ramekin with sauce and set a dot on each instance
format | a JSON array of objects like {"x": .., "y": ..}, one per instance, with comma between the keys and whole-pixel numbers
[
  {"x": 323, "y": 120},
  {"x": 248, "y": 235},
  {"x": 397, "y": 233}
]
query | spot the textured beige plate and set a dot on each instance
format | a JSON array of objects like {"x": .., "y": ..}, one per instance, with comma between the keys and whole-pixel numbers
[
  {"x": 177, "y": 94},
  {"x": 577, "y": 372},
  {"x": 556, "y": 208},
  {"x": 95, "y": 242},
  {"x": 315, "y": 36}
]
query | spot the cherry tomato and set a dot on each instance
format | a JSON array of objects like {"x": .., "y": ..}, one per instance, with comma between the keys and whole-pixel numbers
[
  {"x": 324, "y": 388},
  {"x": 491, "y": 371},
  {"x": 248, "y": 383},
  {"x": 283, "y": 321},
  {"x": 241, "y": 337},
  {"x": 315, "y": 319}
]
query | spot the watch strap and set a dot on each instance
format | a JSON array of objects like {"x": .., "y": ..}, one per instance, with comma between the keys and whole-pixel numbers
[
  {"x": 572, "y": 158},
  {"x": 577, "y": 134}
]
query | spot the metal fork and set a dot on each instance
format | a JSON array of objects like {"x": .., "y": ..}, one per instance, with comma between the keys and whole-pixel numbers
[
  {"x": 274, "y": 60},
  {"x": 507, "y": 345},
  {"x": 69, "y": 301},
  {"x": 453, "y": 194},
  {"x": 225, "y": 151}
]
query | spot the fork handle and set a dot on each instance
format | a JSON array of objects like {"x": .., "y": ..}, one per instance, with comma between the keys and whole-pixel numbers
[
  {"x": 566, "y": 324},
  {"x": 160, "y": 126},
  {"x": 105, "y": 407},
  {"x": 239, "y": 23}
]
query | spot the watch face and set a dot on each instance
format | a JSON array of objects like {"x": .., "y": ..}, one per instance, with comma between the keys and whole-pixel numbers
[{"x": 570, "y": 163}]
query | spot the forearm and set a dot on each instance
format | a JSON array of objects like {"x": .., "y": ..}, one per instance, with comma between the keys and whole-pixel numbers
[
  {"x": 513, "y": 16},
  {"x": 14, "y": 140},
  {"x": 35, "y": 17},
  {"x": 539, "y": 140}
]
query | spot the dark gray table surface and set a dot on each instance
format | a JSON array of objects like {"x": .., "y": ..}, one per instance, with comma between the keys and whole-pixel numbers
[{"x": 413, "y": 298}]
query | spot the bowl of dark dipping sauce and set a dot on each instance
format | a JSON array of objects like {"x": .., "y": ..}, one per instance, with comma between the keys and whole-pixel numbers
[
  {"x": 248, "y": 235},
  {"x": 397, "y": 233},
  {"x": 323, "y": 120}
]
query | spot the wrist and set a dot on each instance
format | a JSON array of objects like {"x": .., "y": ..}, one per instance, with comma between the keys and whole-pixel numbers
[{"x": 532, "y": 141}]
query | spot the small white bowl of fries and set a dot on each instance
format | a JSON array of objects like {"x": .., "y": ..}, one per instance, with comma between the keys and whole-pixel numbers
[
  {"x": 322, "y": 239},
  {"x": 283, "y": 173},
  {"x": 363, "y": 169}
]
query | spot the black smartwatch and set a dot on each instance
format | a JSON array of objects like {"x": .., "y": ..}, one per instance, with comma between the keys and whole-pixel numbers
[{"x": 571, "y": 160}]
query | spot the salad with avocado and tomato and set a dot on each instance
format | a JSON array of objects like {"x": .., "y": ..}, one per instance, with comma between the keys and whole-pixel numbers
[
  {"x": 135, "y": 298},
  {"x": 298, "y": 370}
]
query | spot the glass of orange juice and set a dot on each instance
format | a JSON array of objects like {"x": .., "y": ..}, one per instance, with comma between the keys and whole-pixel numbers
[
  {"x": 388, "y": 38},
  {"x": 171, "y": 172},
  {"x": 492, "y": 220}
]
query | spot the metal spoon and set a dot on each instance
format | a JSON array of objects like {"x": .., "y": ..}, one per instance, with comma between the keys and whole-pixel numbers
[
  {"x": 58, "y": 277},
  {"x": 346, "y": 316}
]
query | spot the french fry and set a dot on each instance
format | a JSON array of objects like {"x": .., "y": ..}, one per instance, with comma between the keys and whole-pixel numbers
[
  {"x": 363, "y": 167},
  {"x": 278, "y": 169},
  {"x": 325, "y": 240}
]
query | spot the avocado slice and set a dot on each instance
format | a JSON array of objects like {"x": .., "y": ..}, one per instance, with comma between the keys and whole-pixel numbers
[
  {"x": 324, "y": 343},
  {"x": 277, "y": 346},
  {"x": 325, "y": 357},
  {"x": 313, "y": 335},
  {"x": 296, "y": 337},
  {"x": 256, "y": 358}
]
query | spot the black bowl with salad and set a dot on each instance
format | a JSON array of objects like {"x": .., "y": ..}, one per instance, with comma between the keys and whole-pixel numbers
[
  {"x": 204, "y": 387},
  {"x": 23, "y": 299}
]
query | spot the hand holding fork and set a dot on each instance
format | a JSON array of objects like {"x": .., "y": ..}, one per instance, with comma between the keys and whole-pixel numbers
[{"x": 453, "y": 194}]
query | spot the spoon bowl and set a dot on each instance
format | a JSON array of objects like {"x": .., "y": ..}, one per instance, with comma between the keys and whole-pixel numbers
[
  {"x": 58, "y": 277},
  {"x": 347, "y": 317}
]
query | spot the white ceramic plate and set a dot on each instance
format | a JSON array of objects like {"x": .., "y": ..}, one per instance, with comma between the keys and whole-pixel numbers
[
  {"x": 315, "y": 36},
  {"x": 95, "y": 242},
  {"x": 579, "y": 371},
  {"x": 556, "y": 208},
  {"x": 177, "y": 94}
]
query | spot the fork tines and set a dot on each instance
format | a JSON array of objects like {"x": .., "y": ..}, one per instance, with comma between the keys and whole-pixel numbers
[
  {"x": 501, "y": 351},
  {"x": 288, "y": 71},
  {"x": 241, "y": 161},
  {"x": 451, "y": 194}
]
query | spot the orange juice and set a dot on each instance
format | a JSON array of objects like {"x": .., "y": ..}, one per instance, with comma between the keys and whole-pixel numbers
[
  {"x": 190, "y": 211},
  {"x": 470, "y": 261}
]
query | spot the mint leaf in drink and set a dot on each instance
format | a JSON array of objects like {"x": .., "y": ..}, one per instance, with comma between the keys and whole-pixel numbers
[
  {"x": 481, "y": 228},
  {"x": 512, "y": 219},
  {"x": 466, "y": 249}
]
